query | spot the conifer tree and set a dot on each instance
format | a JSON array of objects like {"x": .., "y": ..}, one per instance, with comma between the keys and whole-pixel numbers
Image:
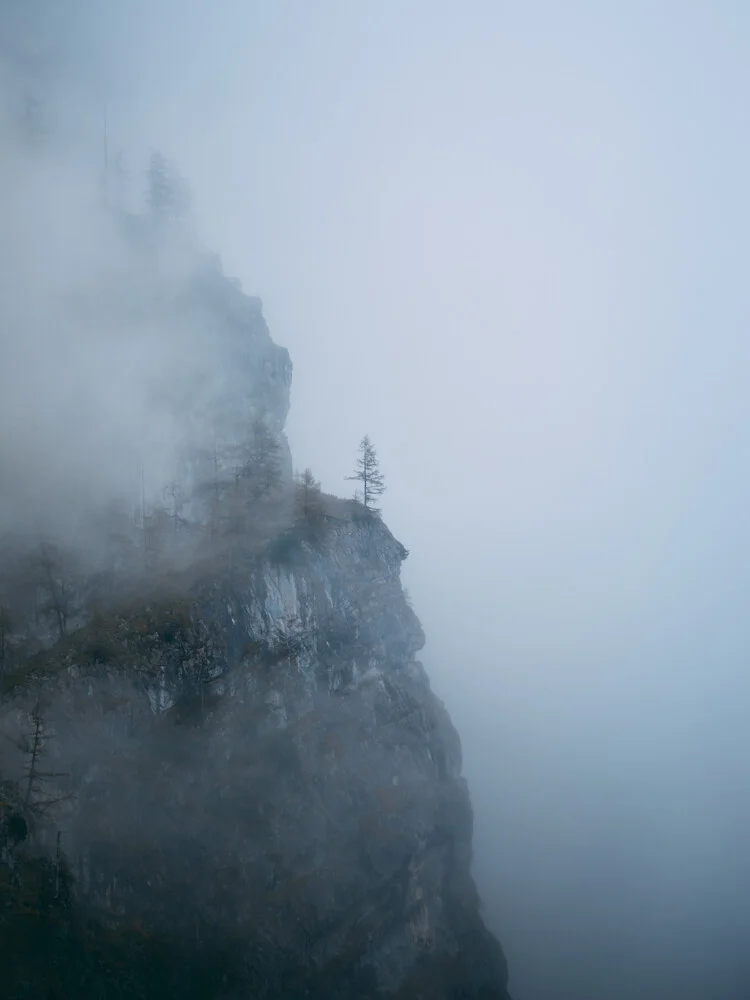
[
  {"x": 369, "y": 475},
  {"x": 308, "y": 497},
  {"x": 266, "y": 477}
]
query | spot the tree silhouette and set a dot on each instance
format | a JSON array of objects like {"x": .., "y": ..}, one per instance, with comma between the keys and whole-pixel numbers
[
  {"x": 369, "y": 475},
  {"x": 33, "y": 745},
  {"x": 54, "y": 574},
  {"x": 308, "y": 497}
]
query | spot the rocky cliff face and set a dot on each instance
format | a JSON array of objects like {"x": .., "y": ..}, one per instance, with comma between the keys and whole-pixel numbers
[{"x": 253, "y": 770}]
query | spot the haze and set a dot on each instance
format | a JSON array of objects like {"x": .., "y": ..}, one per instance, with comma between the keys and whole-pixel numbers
[{"x": 508, "y": 241}]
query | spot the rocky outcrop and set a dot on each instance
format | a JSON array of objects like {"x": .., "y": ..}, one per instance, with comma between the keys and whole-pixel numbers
[{"x": 252, "y": 768}]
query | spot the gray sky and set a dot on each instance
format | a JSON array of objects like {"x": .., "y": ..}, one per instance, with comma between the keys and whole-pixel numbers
[{"x": 509, "y": 242}]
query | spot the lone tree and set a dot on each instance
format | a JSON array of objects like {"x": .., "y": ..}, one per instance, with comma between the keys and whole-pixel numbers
[{"x": 369, "y": 475}]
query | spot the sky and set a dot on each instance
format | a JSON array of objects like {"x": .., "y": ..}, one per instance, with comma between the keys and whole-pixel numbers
[{"x": 508, "y": 241}]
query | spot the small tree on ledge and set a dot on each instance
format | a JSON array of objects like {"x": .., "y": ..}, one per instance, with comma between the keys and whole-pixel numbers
[{"x": 369, "y": 475}]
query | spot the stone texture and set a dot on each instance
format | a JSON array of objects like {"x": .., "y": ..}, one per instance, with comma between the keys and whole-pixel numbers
[{"x": 256, "y": 760}]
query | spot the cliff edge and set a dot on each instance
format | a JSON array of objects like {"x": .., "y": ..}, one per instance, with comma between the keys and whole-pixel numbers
[{"x": 248, "y": 786}]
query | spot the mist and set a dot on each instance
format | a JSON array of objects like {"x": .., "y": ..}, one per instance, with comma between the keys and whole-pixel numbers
[{"x": 508, "y": 243}]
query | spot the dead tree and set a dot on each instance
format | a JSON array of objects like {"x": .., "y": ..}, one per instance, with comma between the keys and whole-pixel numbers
[
  {"x": 33, "y": 745},
  {"x": 53, "y": 574}
]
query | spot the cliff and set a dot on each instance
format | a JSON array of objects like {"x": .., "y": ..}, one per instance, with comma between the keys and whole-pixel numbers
[{"x": 256, "y": 792}]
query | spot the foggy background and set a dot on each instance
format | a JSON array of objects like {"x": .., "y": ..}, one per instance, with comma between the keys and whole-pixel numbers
[{"x": 508, "y": 241}]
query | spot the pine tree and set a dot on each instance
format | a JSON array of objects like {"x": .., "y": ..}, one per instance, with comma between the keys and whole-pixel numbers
[
  {"x": 369, "y": 475},
  {"x": 308, "y": 498}
]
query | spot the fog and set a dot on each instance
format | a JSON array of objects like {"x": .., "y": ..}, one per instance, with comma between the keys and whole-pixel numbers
[{"x": 509, "y": 243}]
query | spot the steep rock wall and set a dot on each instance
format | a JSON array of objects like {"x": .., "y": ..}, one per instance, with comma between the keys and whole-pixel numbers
[
  {"x": 250, "y": 762},
  {"x": 261, "y": 758}
]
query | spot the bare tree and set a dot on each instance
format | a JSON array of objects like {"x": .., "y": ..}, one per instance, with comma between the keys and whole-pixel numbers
[
  {"x": 33, "y": 745},
  {"x": 369, "y": 475},
  {"x": 53, "y": 573}
]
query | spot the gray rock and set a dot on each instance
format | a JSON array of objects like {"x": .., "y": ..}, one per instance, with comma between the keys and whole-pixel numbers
[{"x": 254, "y": 757}]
